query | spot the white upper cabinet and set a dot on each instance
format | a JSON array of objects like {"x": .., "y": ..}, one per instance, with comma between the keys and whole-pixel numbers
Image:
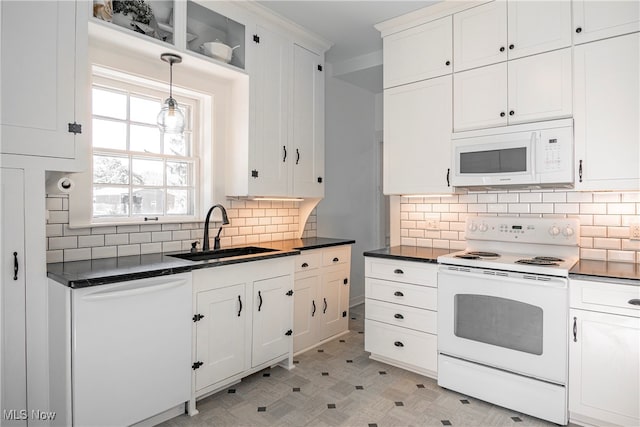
[
  {"x": 307, "y": 112},
  {"x": 593, "y": 20},
  {"x": 500, "y": 30},
  {"x": 607, "y": 107},
  {"x": 44, "y": 78},
  {"x": 417, "y": 137},
  {"x": 418, "y": 53},
  {"x": 524, "y": 90}
]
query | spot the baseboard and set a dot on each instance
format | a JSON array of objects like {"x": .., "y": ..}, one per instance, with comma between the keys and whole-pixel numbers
[
  {"x": 406, "y": 366},
  {"x": 176, "y": 411}
]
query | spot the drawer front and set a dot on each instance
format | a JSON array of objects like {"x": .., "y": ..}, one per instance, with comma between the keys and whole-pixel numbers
[
  {"x": 336, "y": 255},
  {"x": 402, "y": 316},
  {"x": 308, "y": 260},
  {"x": 404, "y": 345},
  {"x": 403, "y": 271},
  {"x": 605, "y": 297},
  {"x": 402, "y": 293}
]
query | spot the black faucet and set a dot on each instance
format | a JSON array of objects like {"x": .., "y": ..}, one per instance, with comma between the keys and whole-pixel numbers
[{"x": 225, "y": 221}]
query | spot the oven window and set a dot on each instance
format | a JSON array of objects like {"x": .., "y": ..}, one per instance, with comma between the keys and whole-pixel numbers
[
  {"x": 499, "y": 321},
  {"x": 494, "y": 161}
]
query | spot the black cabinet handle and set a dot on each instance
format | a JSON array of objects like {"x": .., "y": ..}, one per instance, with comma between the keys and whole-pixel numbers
[
  {"x": 634, "y": 301},
  {"x": 289, "y": 332},
  {"x": 447, "y": 63},
  {"x": 575, "y": 329},
  {"x": 398, "y": 316},
  {"x": 579, "y": 30},
  {"x": 511, "y": 46},
  {"x": 324, "y": 310},
  {"x": 313, "y": 304},
  {"x": 284, "y": 149},
  {"x": 297, "y": 156},
  {"x": 398, "y": 344},
  {"x": 580, "y": 171},
  {"x": 15, "y": 266},
  {"x": 259, "y": 303},
  {"x": 501, "y": 48},
  {"x": 336, "y": 259},
  {"x": 511, "y": 113},
  {"x": 304, "y": 265},
  {"x": 398, "y": 294},
  {"x": 345, "y": 281},
  {"x": 448, "y": 175},
  {"x": 398, "y": 271},
  {"x": 240, "y": 302},
  {"x": 502, "y": 114}
]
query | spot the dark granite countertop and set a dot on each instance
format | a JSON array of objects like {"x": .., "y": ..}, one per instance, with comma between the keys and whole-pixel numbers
[
  {"x": 409, "y": 253},
  {"x": 606, "y": 271},
  {"x": 80, "y": 274}
]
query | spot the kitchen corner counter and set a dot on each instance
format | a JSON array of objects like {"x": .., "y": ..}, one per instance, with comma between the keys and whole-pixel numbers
[
  {"x": 81, "y": 274},
  {"x": 621, "y": 272},
  {"x": 409, "y": 253}
]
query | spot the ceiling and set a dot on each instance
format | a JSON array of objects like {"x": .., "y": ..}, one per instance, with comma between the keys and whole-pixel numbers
[{"x": 349, "y": 25}]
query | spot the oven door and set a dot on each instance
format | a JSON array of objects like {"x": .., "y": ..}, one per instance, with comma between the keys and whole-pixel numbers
[{"x": 511, "y": 321}]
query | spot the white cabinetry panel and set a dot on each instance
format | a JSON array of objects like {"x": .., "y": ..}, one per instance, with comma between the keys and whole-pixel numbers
[
  {"x": 599, "y": 19},
  {"x": 271, "y": 318},
  {"x": 480, "y": 97}
]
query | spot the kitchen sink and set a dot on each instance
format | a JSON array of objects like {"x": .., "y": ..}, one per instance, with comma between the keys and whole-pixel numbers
[{"x": 223, "y": 253}]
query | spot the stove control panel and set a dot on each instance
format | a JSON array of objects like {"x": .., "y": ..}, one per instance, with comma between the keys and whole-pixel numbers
[{"x": 561, "y": 231}]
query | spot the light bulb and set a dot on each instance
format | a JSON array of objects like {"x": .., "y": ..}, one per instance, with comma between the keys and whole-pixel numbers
[{"x": 170, "y": 118}]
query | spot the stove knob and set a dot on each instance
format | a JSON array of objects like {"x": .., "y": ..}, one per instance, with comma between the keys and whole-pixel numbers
[
  {"x": 472, "y": 226},
  {"x": 554, "y": 231},
  {"x": 483, "y": 227},
  {"x": 567, "y": 231}
]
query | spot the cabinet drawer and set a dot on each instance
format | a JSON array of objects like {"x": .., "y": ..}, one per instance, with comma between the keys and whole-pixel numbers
[
  {"x": 337, "y": 255},
  {"x": 402, "y": 293},
  {"x": 308, "y": 260},
  {"x": 403, "y": 271},
  {"x": 404, "y": 345},
  {"x": 402, "y": 316},
  {"x": 605, "y": 297}
]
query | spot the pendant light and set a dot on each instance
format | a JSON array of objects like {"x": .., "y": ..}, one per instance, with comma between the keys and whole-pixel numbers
[{"x": 170, "y": 118}]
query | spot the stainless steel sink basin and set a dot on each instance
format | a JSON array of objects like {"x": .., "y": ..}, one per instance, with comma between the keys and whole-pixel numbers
[{"x": 223, "y": 253}]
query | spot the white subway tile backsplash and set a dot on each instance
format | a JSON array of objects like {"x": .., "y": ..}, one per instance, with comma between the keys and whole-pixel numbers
[
  {"x": 104, "y": 230},
  {"x": 54, "y": 230},
  {"x": 151, "y": 248},
  {"x": 54, "y": 204},
  {"x": 541, "y": 208},
  {"x": 77, "y": 254},
  {"x": 63, "y": 242},
  {"x": 593, "y": 208},
  {"x": 55, "y": 256},
  {"x": 567, "y": 208},
  {"x": 596, "y": 254},
  {"x": 530, "y": 197},
  {"x": 75, "y": 231},
  {"x": 607, "y": 197},
  {"x": 579, "y": 197},
  {"x": 160, "y": 236},
  {"x": 560, "y": 197},
  {"x": 173, "y": 246},
  {"x": 519, "y": 208},
  {"x": 607, "y": 243},
  {"x": 487, "y": 198},
  {"x": 91, "y": 241},
  {"x": 58, "y": 217},
  {"x": 621, "y": 256},
  {"x": 104, "y": 252},
  {"x": 128, "y": 228},
  {"x": 621, "y": 208},
  {"x": 607, "y": 220},
  {"x": 128, "y": 250},
  {"x": 151, "y": 227}
]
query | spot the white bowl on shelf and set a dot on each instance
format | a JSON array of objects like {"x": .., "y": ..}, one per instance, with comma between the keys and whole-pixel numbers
[{"x": 218, "y": 50}]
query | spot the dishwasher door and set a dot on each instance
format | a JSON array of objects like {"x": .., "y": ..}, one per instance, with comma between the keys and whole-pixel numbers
[{"x": 131, "y": 354}]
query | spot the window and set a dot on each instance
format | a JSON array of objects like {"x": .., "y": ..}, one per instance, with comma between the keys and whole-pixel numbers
[{"x": 138, "y": 172}]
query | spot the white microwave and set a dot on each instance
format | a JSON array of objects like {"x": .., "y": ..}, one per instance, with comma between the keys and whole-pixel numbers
[{"x": 533, "y": 155}]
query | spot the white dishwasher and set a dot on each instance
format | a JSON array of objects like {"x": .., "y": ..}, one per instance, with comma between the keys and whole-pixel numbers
[{"x": 121, "y": 352}]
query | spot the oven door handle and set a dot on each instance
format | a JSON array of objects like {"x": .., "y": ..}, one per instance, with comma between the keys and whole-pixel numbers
[{"x": 503, "y": 276}]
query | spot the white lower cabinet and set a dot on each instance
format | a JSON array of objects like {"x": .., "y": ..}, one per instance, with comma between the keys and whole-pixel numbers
[
  {"x": 604, "y": 353},
  {"x": 321, "y": 298},
  {"x": 401, "y": 314},
  {"x": 243, "y": 321}
]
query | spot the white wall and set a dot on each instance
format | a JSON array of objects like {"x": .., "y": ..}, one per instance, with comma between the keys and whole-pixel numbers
[{"x": 349, "y": 209}]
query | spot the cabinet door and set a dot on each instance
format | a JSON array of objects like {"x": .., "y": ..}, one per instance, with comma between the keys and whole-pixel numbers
[
  {"x": 307, "y": 112},
  {"x": 538, "y": 26},
  {"x": 594, "y": 20},
  {"x": 269, "y": 142},
  {"x": 335, "y": 316},
  {"x": 12, "y": 295},
  {"x": 271, "y": 318},
  {"x": 480, "y": 98},
  {"x": 607, "y": 108},
  {"x": 417, "y": 137},
  {"x": 221, "y": 349},
  {"x": 540, "y": 87},
  {"x": 604, "y": 367},
  {"x": 40, "y": 76},
  {"x": 418, "y": 53},
  {"x": 480, "y": 36},
  {"x": 306, "y": 311}
]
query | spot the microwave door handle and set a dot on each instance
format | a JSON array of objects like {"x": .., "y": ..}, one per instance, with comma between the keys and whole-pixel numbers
[{"x": 534, "y": 159}]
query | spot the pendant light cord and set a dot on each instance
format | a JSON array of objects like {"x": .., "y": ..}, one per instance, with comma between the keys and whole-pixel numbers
[{"x": 171, "y": 79}]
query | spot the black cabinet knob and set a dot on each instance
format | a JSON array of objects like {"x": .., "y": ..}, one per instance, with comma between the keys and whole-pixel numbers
[
  {"x": 336, "y": 259},
  {"x": 398, "y": 294},
  {"x": 501, "y": 48},
  {"x": 511, "y": 46},
  {"x": 511, "y": 113},
  {"x": 447, "y": 63},
  {"x": 398, "y": 271},
  {"x": 502, "y": 114},
  {"x": 398, "y": 316},
  {"x": 579, "y": 30},
  {"x": 304, "y": 265},
  {"x": 398, "y": 344}
]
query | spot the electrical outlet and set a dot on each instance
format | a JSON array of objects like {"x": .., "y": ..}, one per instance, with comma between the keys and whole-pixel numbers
[
  {"x": 634, "y": 231},
  {"x": 432, "y": 224}
]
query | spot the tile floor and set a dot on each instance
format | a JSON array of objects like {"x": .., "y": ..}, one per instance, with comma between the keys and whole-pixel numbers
[{"x": 338, "y": 385}]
